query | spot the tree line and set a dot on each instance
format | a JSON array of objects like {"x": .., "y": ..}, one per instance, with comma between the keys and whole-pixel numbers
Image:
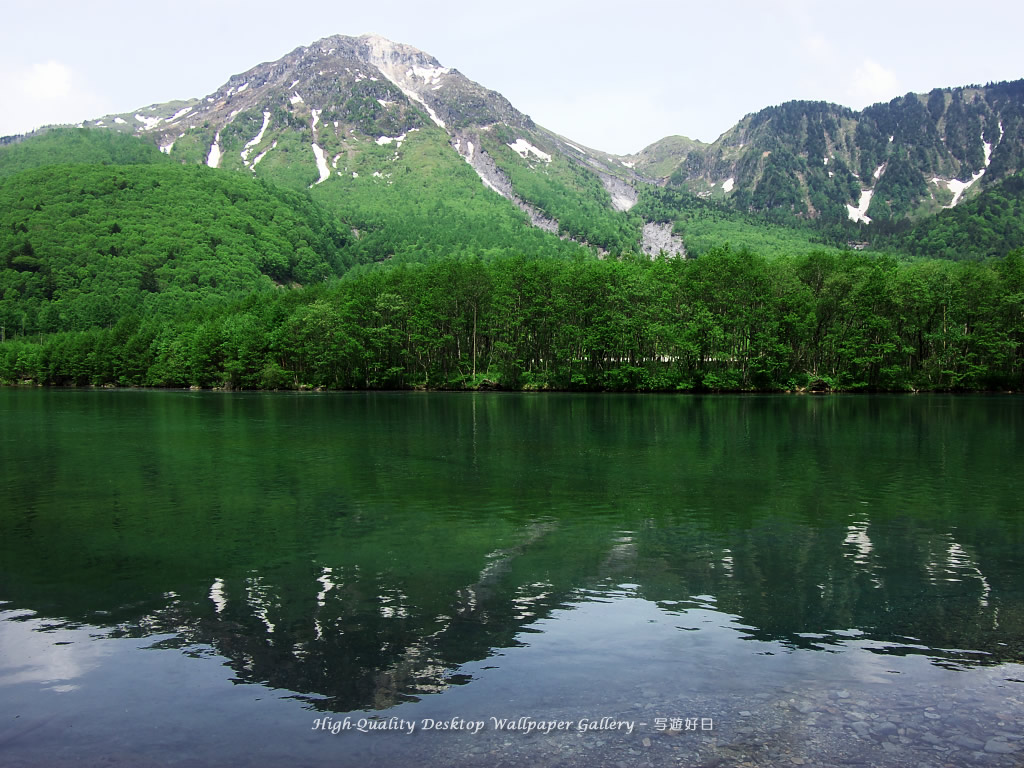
[{"x": 728, "y": 321}]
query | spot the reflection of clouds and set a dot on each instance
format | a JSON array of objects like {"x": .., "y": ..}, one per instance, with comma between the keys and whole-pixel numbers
[
  {"x": 857, "y": 545},
  {"x": 29, "y": 652},
  {"x": 393, "y": 604},
  {"x": 531, "y": 600}
]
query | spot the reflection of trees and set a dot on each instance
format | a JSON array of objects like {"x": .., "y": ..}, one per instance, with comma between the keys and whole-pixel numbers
[
  {"x": 895, "y": 582},
  {"x": 347, "y": 638},
  {"x": 363, "y": 569}
]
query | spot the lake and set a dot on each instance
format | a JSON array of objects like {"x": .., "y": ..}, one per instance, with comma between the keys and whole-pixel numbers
[{"x": 377, "y": 579}]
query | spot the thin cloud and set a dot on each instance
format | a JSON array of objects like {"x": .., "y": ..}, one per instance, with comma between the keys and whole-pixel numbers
[
  {"x": 50, "y": 91},
  {"x": 871, "y": 83},
  {"x": 46, "y": 82}
]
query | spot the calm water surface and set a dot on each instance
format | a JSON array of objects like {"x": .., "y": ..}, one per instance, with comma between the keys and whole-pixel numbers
[{"x": 200, "y": 578}]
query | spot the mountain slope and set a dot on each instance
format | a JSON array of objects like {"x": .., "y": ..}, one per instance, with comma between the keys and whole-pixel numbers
[
  {"x": 376, "y": 129},
  {"x": 906, "y": 158},
  {"x": 330, "y": 111},
  {"x": 84, "y": 245},
  {"x": 991, "y": 224}
]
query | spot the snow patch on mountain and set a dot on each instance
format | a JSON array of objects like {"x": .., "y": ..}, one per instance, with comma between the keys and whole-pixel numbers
[
  {"x": 433, "y": 115},
  {"x": 728, "y": 184},
  {"x": 523, "y": 148},
  {"x": 296, "y": 99},
  {"x": 252, "y": 143},
  {"x": 262, "y": 154},
  {"x": 495, "y": 179},
  {"x": 957, "y": 187},
  {"x": 392, "y": 61},
  {"x": 859, "y": 213},
  {"x": 148, "y": 123},
  {"x": 321, "y": 165},
  {"x": 213, "y": 158},
  {"x": 431, "y": 74}
]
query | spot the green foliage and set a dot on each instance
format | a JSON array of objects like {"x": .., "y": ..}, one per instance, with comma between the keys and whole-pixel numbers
[
  {"x": 705, "y": 225},
  {"x": 897, "y": 189},
  {"x": 421, "y": 200},
  {"x": 992, "y": 224},
  {"x": 77, "y": 145},
  {"x": 729, "y": 320},
  {"x": 86, "y": 245},
  {"x": 571, "y": 195}
]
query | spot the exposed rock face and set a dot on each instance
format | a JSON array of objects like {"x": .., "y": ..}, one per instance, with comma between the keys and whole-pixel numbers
[
  {"x": 468, "y": 146},
  {"x": 623, "y": 194},
  {"x": 659, "y": 237},
  {"x": 451, "y": 99}
]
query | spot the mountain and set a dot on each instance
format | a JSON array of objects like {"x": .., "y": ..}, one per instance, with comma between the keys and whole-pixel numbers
[
  {"x": 349, "y": 112},
  {"x": 910, "y": 157},
  {"x": 406, "y": 152},
  {"x": 356, "y": 215}
]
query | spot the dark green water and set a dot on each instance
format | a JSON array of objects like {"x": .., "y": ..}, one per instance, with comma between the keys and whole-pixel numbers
[{"x": 195, "y": 578}]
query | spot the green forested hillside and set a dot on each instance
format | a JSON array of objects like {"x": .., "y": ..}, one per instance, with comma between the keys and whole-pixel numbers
[
  {"x": 132, "y": 231},
  {"x": 402, "y": 270},
  {"x": 567, "y": 192},
  {"x": 77, "y": 145},
  {"x": 421, "y": 200},
  {"x": 990, "y": 225},
  {"x": 708, "y": 224},
  {"x": 83, "y": 245}
]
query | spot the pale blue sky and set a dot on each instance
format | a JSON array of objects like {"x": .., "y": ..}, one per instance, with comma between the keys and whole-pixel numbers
[{"x": 613, "y": 76}]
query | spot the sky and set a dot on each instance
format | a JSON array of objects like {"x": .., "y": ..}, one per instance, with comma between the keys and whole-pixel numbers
[{"x": 615, "y": 76}]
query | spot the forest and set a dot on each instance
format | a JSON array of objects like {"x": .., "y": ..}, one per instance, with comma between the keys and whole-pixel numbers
[
  {"x": 119, "y": 267},
  {"x": 728, "y": 321}
]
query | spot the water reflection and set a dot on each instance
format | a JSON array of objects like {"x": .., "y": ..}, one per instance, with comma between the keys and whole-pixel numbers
[
  {"x": 361, "y": 553},
  {"x": 347, "y": 634}
]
